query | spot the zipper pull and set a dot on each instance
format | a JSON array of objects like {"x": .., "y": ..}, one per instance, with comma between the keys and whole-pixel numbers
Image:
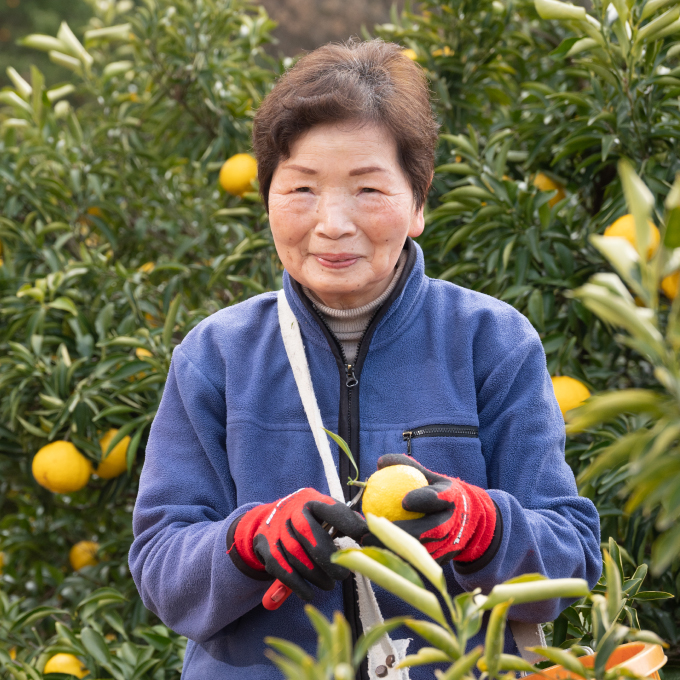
[
  {"x": 351, "y": 378},
  {"x": 407, "y": 438}
]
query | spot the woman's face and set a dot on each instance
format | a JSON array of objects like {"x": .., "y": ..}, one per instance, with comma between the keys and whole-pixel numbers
[{"x": 340, "y": 209}]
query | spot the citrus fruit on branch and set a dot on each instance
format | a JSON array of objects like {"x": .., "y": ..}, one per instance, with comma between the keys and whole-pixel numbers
[
  {"x": 114, "y": 463},
  {"x": 66, "y": 664},
  {"x": 83, "y": 554},
  {"x": 569, "y": 392},
  {"x": 61, "y": 468},
  {"x": 238, "y": 173},
  {"x": 386, "y": 488},
  {"x": 624, "y": 227}
]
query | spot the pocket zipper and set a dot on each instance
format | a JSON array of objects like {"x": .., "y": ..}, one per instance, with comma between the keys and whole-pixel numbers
[{"x": 439, "y": 431}]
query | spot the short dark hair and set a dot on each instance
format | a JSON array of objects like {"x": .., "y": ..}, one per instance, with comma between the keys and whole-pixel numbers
[{"x": 370, "y": 82}]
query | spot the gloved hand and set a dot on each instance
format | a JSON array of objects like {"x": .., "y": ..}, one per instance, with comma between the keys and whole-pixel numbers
[
  {"x": 459, "y": 519},
  {"x": 284, "y": 539}
]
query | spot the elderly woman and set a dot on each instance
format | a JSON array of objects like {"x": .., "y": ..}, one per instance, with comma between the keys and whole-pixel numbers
[{"x": 234, "y": 492}]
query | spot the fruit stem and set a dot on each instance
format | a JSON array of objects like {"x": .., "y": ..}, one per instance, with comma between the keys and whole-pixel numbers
[{"x": 355, "y": 482}]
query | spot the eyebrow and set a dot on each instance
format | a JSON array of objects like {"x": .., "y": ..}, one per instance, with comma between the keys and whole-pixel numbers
[
  {"x": 365, "y": 171},
  {"x": 352, "y": 173}
]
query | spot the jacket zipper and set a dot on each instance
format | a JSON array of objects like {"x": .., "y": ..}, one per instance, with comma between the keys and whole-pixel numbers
[
  {"x": 439, "y": 431},
  {"x": 351, "y": 374}
]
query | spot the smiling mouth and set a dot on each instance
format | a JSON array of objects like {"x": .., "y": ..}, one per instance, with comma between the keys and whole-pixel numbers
[{"x": 336, "y": 260}]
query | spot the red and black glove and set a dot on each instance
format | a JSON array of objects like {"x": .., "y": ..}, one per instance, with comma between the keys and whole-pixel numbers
[
  {"x": 285, "y": 540},
  {"x": 460, "y": 521}
]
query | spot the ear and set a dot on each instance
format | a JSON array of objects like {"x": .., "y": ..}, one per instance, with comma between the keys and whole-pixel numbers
[{"x": 417, "y": 223}]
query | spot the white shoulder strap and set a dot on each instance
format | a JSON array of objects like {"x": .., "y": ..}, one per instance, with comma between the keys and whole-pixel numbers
[
  {"x": 292, "y": 341},
  {"x": 369, "y": 610}
]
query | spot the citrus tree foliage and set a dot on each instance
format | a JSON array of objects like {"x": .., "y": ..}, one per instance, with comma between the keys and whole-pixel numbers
[
  {"x": 598, "y": 618},
  {"x": 549, "y": 91},
  {"x": 116, "y": 240},
  {"x": 649, "y": 453}
]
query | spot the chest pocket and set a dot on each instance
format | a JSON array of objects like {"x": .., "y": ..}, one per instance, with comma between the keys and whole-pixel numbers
[{"x": 452, "y": 450}]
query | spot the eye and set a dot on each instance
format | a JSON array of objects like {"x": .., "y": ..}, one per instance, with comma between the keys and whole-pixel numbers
[
  {"x": 368, "y": 190},
  {"x": 302, "y": 190}
]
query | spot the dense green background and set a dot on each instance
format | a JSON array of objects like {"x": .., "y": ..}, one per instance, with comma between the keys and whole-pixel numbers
[
  {"x": 142, "y": 137},
  {"x": 21, "y": 17}
]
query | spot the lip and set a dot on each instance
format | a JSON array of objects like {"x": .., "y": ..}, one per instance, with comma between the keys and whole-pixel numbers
[{"x": 336, "y": 260}]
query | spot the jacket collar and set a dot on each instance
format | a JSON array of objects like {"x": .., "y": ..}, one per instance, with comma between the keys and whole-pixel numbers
[{"x": 403, "y": 304}]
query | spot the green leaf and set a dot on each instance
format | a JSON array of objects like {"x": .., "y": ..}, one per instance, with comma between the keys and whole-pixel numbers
[
  {"x": 65, "y": 304},
  {"x": 421, "y": 599},
  {"x": 527, "y": 578},
  {"x": 291, "y": 651},
  {"x": 436, "y": 635},
  {"x": 535, "y": 591},
  {"x": 606, "y": 407},
  {"x": 495, "y": 637},
  {"x": 614, "y": 596},
  {"x": 425, "y": 655},
  {"x": 606, "y": 646},
  {"x": 344, "y": 447},
  {"x": 371, "y": 637},
  {"x": 649, "y": 595},
  {"x": 407, "y": 547},
  {"x": 170, "y": 320},
  {"x": 396, "y": 564},
  {"x": 563, "y": 658},
  {"x": 95, "y": 645},
  {"x": 33, "y": 615},
  {"x": 463, "y": 666}
]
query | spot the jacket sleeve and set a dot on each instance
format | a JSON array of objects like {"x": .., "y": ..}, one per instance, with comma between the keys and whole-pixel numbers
[
  {"x": 185, "y": 505},
  {"x": 546, "y": 527}
]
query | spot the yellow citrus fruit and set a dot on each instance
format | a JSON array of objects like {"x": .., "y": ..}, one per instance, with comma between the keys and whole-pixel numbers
[
  {"x": 115, "y": 463},
  {"x": 2, "y": 561},
  {"x": 411, "y": 54},
  {"x": 670, "y": 285},
  {"x": 13, "y": 653},
  {"x": 147, "y": 267},
  {"x": 61, "y": 468},
  {"x": 67, "y": 664},
  {"x": 83, "y": 554},
  {"x": 624, "y": 227},
  {"x": 544, "y": 183},
  {"x": 386, "y": 488},
  {"x": 238, "y": 173},
  {"x": 570, "y": 392}
]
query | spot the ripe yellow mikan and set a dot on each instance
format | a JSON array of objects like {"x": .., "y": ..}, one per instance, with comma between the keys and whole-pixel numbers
[
  {"x": 237, "y": 174},
  {"x": 569, "y": 392},
  {"x": 68, "y": 664},
  {"x": 544, "y": 183},
  {"x": 115, "y": 463},
  {"x": 670, "y": 285},
  {"x": 61, "y": 468},
  {"x": 411, "y": 54},
  {"x": 386, "y": 488},
  {"x": 624, "y": 227},
  {"x": 83, "y": 554}
]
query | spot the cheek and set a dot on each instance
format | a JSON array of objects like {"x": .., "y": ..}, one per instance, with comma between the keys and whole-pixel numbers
[
  {"x": 287, "y": 217},
  {"x": 384, "y": 217}
]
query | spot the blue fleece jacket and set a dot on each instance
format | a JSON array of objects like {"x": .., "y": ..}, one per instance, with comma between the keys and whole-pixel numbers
[{"x": 231, "y": 433}]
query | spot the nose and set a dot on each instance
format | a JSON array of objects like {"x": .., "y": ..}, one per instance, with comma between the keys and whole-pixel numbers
[{"x": 334, "y": 217}]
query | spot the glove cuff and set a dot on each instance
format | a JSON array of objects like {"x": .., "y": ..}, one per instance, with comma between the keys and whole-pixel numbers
[
  {"x": 493, "y": 537},
  {"x": 240, "y": 544}
]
